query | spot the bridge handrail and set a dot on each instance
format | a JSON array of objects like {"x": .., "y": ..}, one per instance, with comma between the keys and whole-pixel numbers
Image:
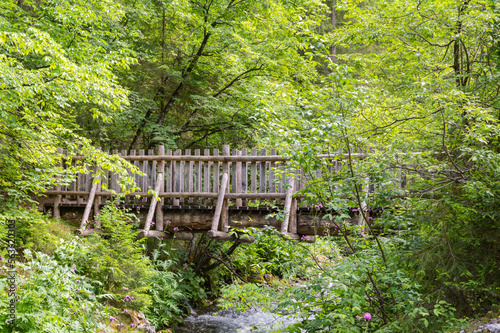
[{"x": 194, "y": 158}]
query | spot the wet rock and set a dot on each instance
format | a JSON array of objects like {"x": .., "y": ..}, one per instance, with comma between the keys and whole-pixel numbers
[
  {"x": 148, "y": 329},
  {"x": 495, "y": 328}
]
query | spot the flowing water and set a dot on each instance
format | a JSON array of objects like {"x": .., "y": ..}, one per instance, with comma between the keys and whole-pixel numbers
[{"x": 229, "y": 321}]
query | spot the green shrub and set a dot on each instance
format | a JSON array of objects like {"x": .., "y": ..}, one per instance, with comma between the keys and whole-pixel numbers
[
  {"x": 34, "y": 230},
  {"x": 165, "y": 291},
  {"x": 52, "y": 298},
  {"x": 192, "y": 285},
  {"x": 459, "y": 254},
  {"x": 116, "y": 260},
  {"x": 270, "y": 253},
  {"x": 337, "y": 299}
]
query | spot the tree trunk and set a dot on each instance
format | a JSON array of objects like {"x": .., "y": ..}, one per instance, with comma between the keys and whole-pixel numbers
[{"x": 333, "y": 47}]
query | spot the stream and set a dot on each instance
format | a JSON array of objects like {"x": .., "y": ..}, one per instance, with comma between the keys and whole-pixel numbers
[{"x": 230, "y": 321}]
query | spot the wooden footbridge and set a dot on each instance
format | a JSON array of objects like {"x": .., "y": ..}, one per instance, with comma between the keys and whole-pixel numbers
[{"x": 211, "y": 193}]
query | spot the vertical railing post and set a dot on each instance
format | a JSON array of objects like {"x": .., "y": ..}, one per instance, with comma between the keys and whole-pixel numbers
[
  {"x": 293, "y": 217},
  {"x": 263, "y": 167},
  {"x": 190, "y": 166},
  {"x": 216, "y": 169},
  {"x": 253, "y": 174},
  {"x": 176, "y": 177},
  {"x": 168, "y": 174},
  {"x": 272, "y": 174},
  {"x": 225, "y": 207},
  {"x": 237, "y": 180},
  {"x": 244, "y": 176},
  {"x": 182, "y": 178},
  {"x": 207, "y": 177},
  {"x": 136, "y": 177},
  {"x": 143, "y": 180},
  {"x": 198, "y": 174}
]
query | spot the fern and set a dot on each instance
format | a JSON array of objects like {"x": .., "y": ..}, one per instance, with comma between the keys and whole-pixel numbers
[{"x": 165, "y": 293}]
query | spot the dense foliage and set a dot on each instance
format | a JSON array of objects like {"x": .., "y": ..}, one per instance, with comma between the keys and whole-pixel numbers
[
  {"x": 417, "y": 91},
  {"x": 412, "y": 84},
  {"x": 52, "y": 297},
  {"x": 52, "y": 59},
  {"x": 203, "y": 68}
]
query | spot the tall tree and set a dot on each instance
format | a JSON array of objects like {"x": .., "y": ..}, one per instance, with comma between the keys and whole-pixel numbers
[
  {"x": 54, "y": 56},
  {"x": 204, "y": 64},
  {"x": 418, "y": 86}
]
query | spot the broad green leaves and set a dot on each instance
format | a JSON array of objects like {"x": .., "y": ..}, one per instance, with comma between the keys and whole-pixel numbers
[
  {"x": 416, "y": 87},
  {"x": 53, "y": 57},
  {"x": 205, "y": 67}
]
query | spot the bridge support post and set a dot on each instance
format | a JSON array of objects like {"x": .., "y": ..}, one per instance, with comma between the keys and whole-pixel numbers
[
  {"x": 293, "y": 217},
  {"x": 224, "y": 218},
  {"x": 97, "y": 201},
  {"x": 159, "y": 205},
  {"x": 57, "y": 201},
  {"x": 154, "y": 203},
  {"x": 88, "y": 207},
  {"x": 221, "y": 201},
  {"x": 288, "y": 205},
  {"x": 222, "y": 208}
]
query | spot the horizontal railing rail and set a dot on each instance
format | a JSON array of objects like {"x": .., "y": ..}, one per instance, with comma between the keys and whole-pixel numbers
[{"x": 259, "y": 158}]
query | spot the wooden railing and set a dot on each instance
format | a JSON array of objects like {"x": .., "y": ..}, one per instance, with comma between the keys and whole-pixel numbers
[
  {"x": 189, "y": 176},
  {"x": 186, "y": 178}
]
